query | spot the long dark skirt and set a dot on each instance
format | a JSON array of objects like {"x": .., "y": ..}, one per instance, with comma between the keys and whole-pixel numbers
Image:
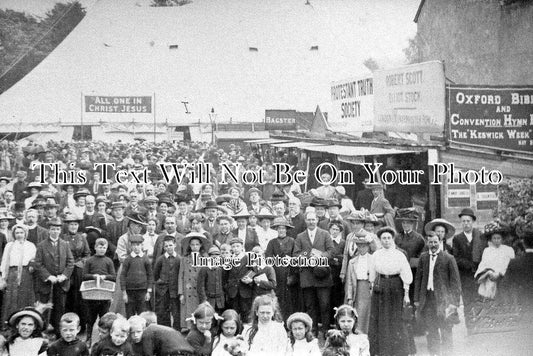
[
  {"x": 17, "y": 296},
  {"x": 387, "y": 331},
  {"x": 75, "y": 302}
]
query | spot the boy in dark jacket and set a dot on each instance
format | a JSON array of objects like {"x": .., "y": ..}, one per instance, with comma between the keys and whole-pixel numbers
[
  {"x": 97, "y": 267},
  {"x": 166, "y": 270},
  {"x": 136, "y": 278},
  {"x": 210, "y": 286}
]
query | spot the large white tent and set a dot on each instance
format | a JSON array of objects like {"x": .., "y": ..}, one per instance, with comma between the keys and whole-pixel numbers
[{"x": 238, "y": 57}]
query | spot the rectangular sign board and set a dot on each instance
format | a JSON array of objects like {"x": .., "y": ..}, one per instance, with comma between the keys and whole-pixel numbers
[{"x": 118, "y": 104}]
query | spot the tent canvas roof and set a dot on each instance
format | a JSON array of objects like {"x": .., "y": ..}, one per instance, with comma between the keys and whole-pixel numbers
[{"x": 122, "y": 48}]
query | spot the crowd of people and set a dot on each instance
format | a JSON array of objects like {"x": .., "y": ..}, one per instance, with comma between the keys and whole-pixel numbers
[{"x": 180, "y": 268}]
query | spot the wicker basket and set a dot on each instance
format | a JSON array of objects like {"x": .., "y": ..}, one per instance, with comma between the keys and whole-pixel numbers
[{"x": 97, "y": 290}]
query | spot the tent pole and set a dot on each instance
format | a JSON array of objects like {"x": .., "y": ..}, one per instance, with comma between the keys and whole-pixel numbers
[{"x": 154, "y": 121}]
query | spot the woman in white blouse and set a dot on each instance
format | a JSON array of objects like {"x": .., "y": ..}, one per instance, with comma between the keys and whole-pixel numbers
[
  {"x": 265, "y": 233},
  {"x": 390, "y": 277},
  {"x": 16, "y": 269}
]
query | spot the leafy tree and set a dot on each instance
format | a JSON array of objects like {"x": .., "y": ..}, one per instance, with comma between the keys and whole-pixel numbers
[
  {"x": 25, "y": 41},
  {"x": 516, "y": 204}
]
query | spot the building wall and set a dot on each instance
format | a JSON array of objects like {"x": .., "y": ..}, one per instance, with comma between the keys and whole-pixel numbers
[{"x": 480, "y": 41}]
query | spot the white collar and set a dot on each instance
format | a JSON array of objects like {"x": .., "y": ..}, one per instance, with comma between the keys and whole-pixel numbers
[
  {"x": 133, "y": 254},
  {"x": 167, "y": 255},
  {"x": 54, "y": 241}
]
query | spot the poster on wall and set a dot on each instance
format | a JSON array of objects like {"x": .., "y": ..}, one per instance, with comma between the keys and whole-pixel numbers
[
  {"x": 498, "y": 117},
  {"x": 352, "y": 105},
  {"x": 410, "y": 98}
]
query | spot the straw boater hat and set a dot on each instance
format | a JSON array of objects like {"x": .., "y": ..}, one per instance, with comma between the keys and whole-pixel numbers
[
  {"x": 356, "y": 216},
  {"x": 495, "y": 227},
  {"x": 28, "y": 311},
  {"x": 468, "y": 212},
  {"x": 34, "y": 185},
  {"x": 81, "y": 193},
  {"x": 192, "y": 236},
  {"x": 280, "y": 221},
  {"x": 450, "y": 230},
  {"x": 407, "y": 214},
  {"x": 117, "y": 204},
  {"x": 303, "y": 317},
  {"x": 224, "y": 217}
]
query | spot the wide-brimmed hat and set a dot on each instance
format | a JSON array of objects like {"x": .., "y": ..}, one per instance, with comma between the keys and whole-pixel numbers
[
  {"x": 468, "y": 212},
  {"x": 450, "y": 230},
  {"x": 356, "y": 216},
  {"x": 224, "y": 217},
  {"x": 363, "y": 238},
  {"x": 316, "y": 202},
  {"x": 333, "y": 203},
  {"x": 372, "y": 218},
  {"x": 265, "y": 216},
  {"x": 242, "y": 214},
  {"x": 70, "y": 217},
  {"x": 28, "y": 311},
  {"x": 6, "y": 215},
  {"x": 495, "y": 227},
  {"x": 253, "y": 190},
  {"x": 5, "y": 179},
  {"x": 194, "y": 235},
  {"x": 303, "y": 317},
  {"x": 280, "y": 221},
  {"x": 407, "y": 214},
  {"x": 137, "y": 219},
  {"x": 34, "y": 185}
]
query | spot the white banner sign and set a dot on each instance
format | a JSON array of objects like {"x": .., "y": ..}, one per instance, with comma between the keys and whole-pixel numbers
[
  {"x": 410, "y": 98},
  {"x": 352, "y": 108}
]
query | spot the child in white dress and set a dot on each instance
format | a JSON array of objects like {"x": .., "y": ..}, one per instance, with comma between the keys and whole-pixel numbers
[
  {"x": 346, "y": 321},
  {"x": 301, "y": 339}
]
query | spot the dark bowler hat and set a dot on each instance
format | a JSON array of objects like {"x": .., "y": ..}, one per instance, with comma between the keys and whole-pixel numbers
[
  {"x": 211, "y": 204},
  {"x": 407, "y": 214},
  {"x": 468, "y": 212},
  {"x": 334, "y": 202}
]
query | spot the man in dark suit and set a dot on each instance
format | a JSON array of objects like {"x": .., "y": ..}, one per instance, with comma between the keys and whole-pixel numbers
[
  {"x": 437, "y": 292},
  {"x": 36, "y": 233},
  {"x": 467, "y": 249},
  {"x": 54, "y": 264},
  {"x": 182, "y": 214},
  {"x": 295, "y": 218},
  {"x": 224, "y": 234},
  {"x": 315, "y": 282},
  {"x": 170, "y": 229},
  {"x": 519, "y": 279},
  {"x": 245, "y": 233},
  {"x": 364, "y": 198},
  {"x": 210, "y": 210},
  {"x": 334, "y": 215}
]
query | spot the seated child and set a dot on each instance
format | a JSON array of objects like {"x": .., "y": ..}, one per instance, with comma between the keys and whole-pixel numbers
[
  {"x": 68, "y": 344},
  {"x": 117, "y": 342}
]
